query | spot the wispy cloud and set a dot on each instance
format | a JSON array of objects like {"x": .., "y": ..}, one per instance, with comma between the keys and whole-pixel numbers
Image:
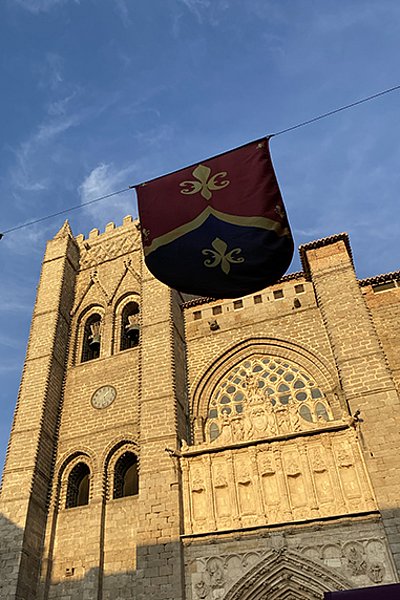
[
  {"x": 106, "y": 179},
  {"x": 49, "y": 72},
  {"x": 204, "y": 11},
  {"x": 59, "y": 107},
  {"x": 10, "y": 367},
  {"x": 24, "y": 174},
  {"x": 39, "y": 6},
  {"x": 197, "y": 8},
  {"x": 9, "y": 341},
  {"x": 156, "y": 135},
  {"x": 28, "y": 241},
  {"x": 15, "y": 298},
  {"x": 123, "y": 11}
]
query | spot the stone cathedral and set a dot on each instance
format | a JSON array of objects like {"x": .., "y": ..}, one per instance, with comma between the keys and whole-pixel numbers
[{"x": 169, "y": 447}]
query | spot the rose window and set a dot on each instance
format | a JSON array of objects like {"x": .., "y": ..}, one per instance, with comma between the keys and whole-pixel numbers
[{"x": 280, "y": 388}]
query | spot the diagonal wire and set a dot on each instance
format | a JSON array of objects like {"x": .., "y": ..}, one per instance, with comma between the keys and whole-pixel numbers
[
  {"x": 62, "y": 212},
  {"x": 337, "y": 110},
  {"x": 303, "y": 124}
]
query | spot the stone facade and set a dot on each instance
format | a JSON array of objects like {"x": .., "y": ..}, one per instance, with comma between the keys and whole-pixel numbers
[{"x": 264, "y": 432}]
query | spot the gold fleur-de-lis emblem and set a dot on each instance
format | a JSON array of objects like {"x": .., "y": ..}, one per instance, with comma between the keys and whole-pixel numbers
[
  {"x": 146, "y": 233},
  {"x": 220, "y": 256},
  {"x": 204, "y": 184}
]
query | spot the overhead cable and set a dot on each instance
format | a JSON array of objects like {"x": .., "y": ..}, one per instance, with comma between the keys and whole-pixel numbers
[{"x": 130, "y": 187}]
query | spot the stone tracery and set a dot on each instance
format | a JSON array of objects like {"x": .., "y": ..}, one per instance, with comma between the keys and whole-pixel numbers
[{"x": 265, "y": 396}]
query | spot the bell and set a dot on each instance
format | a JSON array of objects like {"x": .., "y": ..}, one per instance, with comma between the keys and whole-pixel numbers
[
  {"x": 94, "y": 341},
  {"x": 133, "y": 330},
  {"x": 94, "y": 338}
]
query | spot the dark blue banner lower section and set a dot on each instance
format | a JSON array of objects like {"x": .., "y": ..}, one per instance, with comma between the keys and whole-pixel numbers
[{"x": 221, "y": 260}]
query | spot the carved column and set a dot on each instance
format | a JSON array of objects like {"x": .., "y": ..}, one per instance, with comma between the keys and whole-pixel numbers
[
  {"x": 233, "y": 490},
  {"x": 312, "y": 497},
  {"x": 287, "y": 514}
]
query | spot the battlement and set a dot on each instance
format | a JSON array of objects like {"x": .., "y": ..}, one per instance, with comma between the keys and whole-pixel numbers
[{"x": 94, "y": 234}]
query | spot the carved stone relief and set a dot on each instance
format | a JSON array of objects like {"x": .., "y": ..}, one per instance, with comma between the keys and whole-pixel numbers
[
  {"x": 272, "y": 574},
  {"x": 274, "y": 482},
  {"x": 291, "y": 568},
  {"x": 265, "y": 397},
  {"x": 99, "y": 252}
]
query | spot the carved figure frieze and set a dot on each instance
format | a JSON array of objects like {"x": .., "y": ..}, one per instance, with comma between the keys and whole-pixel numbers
[
  {"x": 290, "y": 568},
  {"x": 267, "y": 574},
  {"x": 356, "y": 562},
  {"x": 201, "y": 589},
  {"x": 376, "y": 572},
  {"x": 274, "y": 482}
]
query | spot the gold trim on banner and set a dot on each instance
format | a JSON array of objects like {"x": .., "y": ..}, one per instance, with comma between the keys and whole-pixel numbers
[{"x": 261, "y": 222}]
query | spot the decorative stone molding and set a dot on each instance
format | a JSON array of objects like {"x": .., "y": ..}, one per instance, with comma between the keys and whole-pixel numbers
[
  {"x": 286, "y": 567},
  {"x": 264, "y": 397},
  {"x": 273, "y": 574},
  {"x": 253, "y": 349},
  {"x": 103, "y": 250},
  {"x": 274, "y": 482}
]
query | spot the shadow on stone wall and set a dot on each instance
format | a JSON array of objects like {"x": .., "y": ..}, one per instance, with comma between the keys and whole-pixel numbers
[
  {"x": 11, "y": 539},
  {"x": 158, "y": 573}
]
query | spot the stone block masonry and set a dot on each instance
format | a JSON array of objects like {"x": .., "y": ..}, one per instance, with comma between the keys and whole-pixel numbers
[{"x": 213, "y": 452}]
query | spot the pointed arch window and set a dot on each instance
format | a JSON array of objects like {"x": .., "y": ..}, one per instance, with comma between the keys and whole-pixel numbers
[
  {"x": 78, "y": 486},
  {"x": 126, "y": 476},
  {"x": 130, "y": 329},
  {"x": 285, "y": 398},
  {"x": 91, "y": 338}
]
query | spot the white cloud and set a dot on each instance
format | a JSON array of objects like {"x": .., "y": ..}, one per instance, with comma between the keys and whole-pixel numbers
[
  {"x": 24, "y": 174},
  {"x": 155, "y": 136},
  {"x": 197, "y": 7},
  {"x": 49, "y": 72},
  {"x": 39, "y": 6},
  {"x": 106, "y": 179},
  {"x": 123, "y": 11},
  {"x": 28, "y": 241},
  {"x": 59, "y": 107},
  {"x": 205, "y": 11},
  {"x": 9, "y": 368},
  {"x": 16, "y": 297}
]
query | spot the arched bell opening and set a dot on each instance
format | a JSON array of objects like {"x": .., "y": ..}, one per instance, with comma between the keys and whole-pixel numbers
[
  {"x": 92, "y": 338},
  {"x": 130, "y": 328}
]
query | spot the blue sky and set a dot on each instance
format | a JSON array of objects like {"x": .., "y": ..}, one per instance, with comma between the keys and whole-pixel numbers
[{"x": 100, "y": 94}]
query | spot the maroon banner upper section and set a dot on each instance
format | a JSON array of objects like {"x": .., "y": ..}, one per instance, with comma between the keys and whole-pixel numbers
[{"x": 241, "y": 183}]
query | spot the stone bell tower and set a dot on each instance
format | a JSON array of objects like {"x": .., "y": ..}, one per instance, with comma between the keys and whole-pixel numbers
[
  {"x": 90, "y": 497},
  {"x": 169, "y": 447}
]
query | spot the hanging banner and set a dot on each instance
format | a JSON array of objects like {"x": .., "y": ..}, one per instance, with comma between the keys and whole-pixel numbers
[
  {"x": 377, "y": 592},
  {"x": 219, "y": 228}
]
